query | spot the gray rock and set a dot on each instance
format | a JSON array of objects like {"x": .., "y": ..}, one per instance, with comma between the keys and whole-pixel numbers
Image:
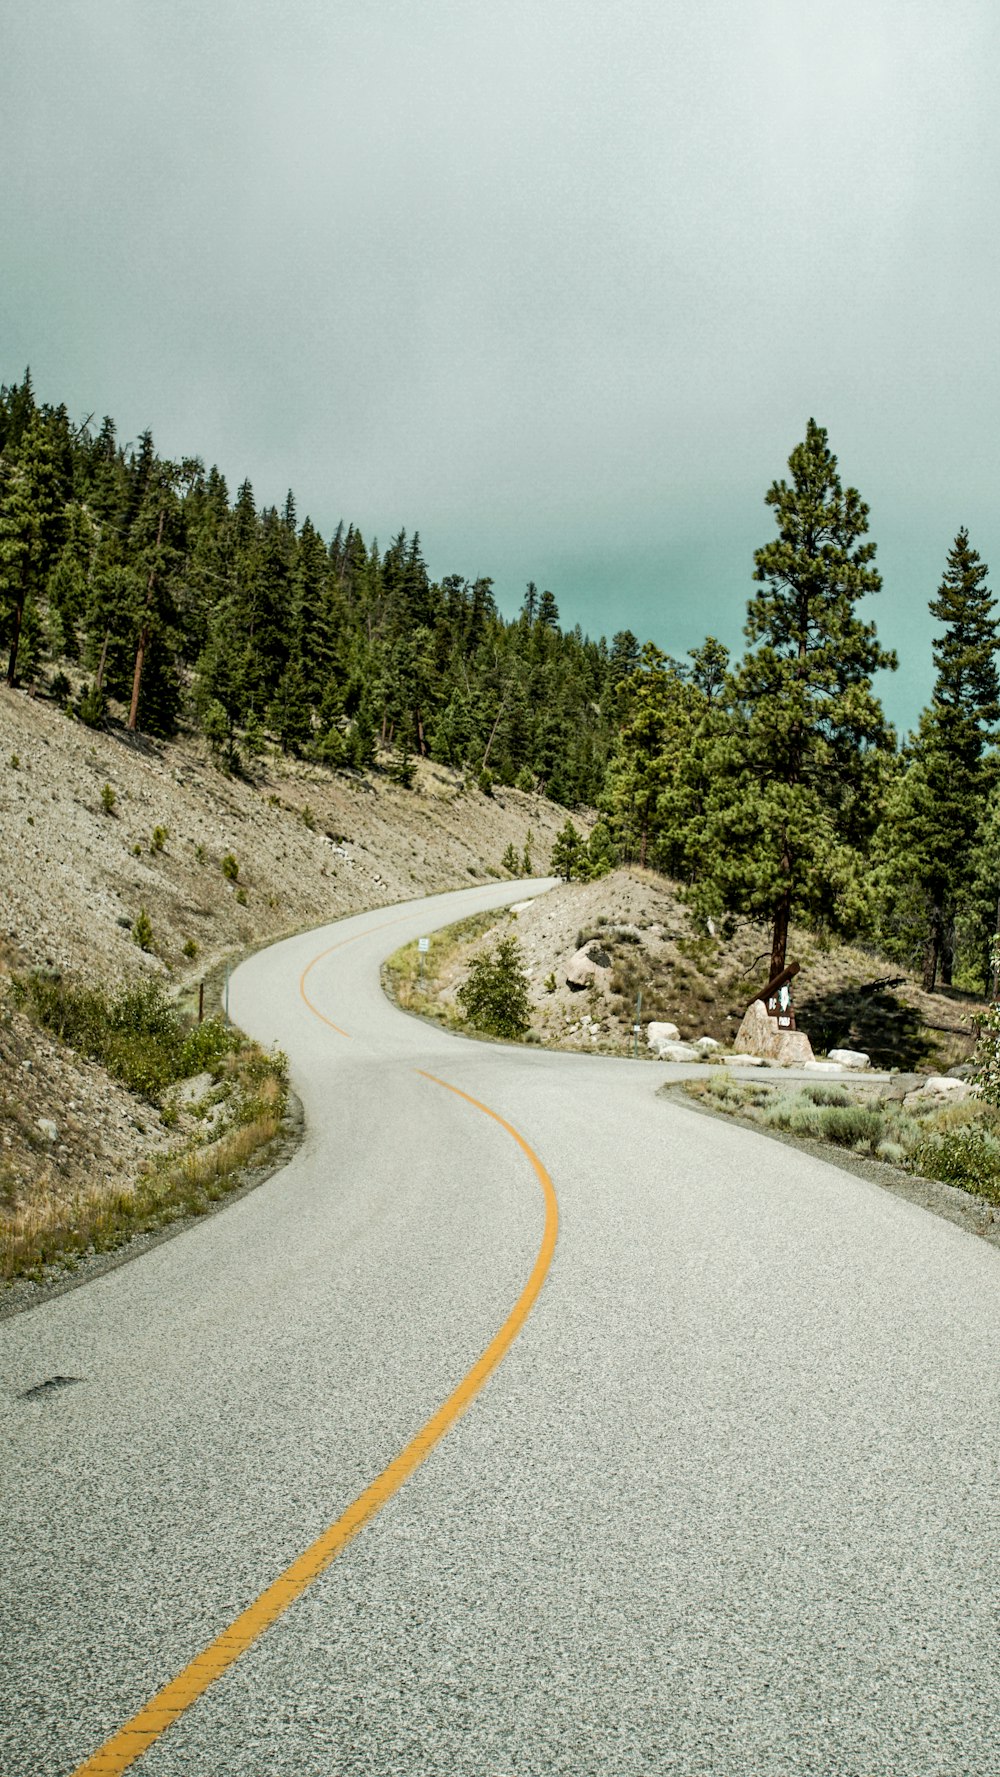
[
  {"x": 855, "y": 1059},
  {"x": 583, "y": 969},
  {"x": 940, "y": 1086},
  {"x": 658, "y": 1033},
  {"x": 707, "y": 1046},
  {"x": 48, "y": 1129},
  {"x": 745, "y": 1060},
  {"x": 823, "y": 1067},
  {"x": 678, "y": 1052},
  {"x": 793, "y": 1049},
  {"x": 757, "y": 1033}
]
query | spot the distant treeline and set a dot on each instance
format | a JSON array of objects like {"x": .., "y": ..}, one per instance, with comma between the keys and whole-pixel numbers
[
  {"x": 187, "y": 605},
  {"x": 773, "y": 786}
]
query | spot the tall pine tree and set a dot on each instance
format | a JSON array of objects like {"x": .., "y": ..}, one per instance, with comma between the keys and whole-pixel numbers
[
  {"x": 796, "y": 775},
  {"x": 938, "y": 804}
]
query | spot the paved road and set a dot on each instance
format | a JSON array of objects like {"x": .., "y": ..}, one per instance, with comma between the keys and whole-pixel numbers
[{"x": 727, "y": 1507}]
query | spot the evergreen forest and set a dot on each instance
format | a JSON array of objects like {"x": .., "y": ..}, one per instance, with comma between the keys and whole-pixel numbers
[{"x": 139, "y": 591}]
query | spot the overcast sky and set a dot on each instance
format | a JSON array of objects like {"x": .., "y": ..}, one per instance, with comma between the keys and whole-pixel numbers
[{"x": 557, "y": 284}]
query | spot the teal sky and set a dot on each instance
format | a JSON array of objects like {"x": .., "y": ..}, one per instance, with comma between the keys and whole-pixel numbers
[{"x": 558, "y": 285}]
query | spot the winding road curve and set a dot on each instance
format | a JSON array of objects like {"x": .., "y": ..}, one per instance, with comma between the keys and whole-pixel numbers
[{"x": 727, "y": 1505}]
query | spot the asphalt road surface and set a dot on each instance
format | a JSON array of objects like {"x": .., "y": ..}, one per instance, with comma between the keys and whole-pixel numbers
[{"x": 728, "y": 1507}]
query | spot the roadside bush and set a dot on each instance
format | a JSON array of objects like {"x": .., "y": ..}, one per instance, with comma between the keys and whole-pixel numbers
[
  {"x": 826, "y": 1095},
  {"x": 495, "y": 996},
  {"x": 792, "y": 1112},
  {"x": 136, "y": 1034},
  {"x": 108, "y": 799},
  {"x": 967, "y": 1155},
  {"x": 204, "y": 1047},
  {"x": 857, "y": 1126},
  {"x": 230, "y": 867}
]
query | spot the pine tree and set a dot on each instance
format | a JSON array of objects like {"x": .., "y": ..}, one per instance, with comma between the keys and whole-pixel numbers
[
  {"x": 569, "y": 852},
  {"x": 796, "y": 777},
  {"x": 937, "y": 809},
  {"x": 31, "y": 529}
]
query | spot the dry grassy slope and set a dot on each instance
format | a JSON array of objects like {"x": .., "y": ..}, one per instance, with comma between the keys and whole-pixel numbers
[
  {"x": 702, "y": 983},
  {"x": 73, "y": 878}
]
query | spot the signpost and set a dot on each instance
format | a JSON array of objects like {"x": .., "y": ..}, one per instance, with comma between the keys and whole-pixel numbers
[{"x": 423, "y": 946}]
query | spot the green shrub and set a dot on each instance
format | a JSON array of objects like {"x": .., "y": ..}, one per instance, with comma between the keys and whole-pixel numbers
[
  {"x": 852, "y": 1126},
  {"x": 189, "y": 949},
  {"x": 91, "y": 707},
  {"x": 967, "y": 1155},
  {"x": 15, "y": 762},
  {"x": 827, "y": 1095},
  {"x": 108, "y": 799},
  {"x": 793, "y": 1112},
  {"x": 525, "y": 779},
  {"x": 510, "y": 861},
  {"x": 204, "y": 1048},
  {"x": 308, "y": 818},
  {"x": 495, "y": 996},
  {"x": 230, "y": 867},
  {"x": 241, "y": 896},
  {"x": 158, "y": 839},
  {"x": 142, "y": 931}
]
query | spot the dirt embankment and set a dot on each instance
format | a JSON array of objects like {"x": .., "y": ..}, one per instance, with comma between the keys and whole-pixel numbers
[{"x": 701, "y": 981}]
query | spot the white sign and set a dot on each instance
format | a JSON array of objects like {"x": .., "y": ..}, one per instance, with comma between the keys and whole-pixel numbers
[{"x": 423, "y": 944}]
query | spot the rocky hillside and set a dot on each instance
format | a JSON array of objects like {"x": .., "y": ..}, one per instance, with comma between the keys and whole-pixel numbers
[{"x": 646, "y": 941}]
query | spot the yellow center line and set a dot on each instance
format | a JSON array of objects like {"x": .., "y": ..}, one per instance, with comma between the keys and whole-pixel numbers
[
  {"x": 143, "y": 1728},
  {"x": 329, "y": 952}
]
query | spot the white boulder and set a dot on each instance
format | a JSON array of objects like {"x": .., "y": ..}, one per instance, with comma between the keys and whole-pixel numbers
[
  {"x": 940, "y": 1086},
  {"x": 707, "y": 1046},
  {"x": 855, "y": 1059},
  {"x": 589, "y": 964},
  {"x": 678, "y": 1052},
  {"x": 659, "y": 1033}
]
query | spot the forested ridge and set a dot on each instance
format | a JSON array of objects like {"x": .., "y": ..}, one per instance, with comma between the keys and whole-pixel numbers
[{"x": 772, "y": 786}]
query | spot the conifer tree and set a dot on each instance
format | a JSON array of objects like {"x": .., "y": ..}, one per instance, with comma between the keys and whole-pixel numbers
[
  {"x": 938, "y": 805},
  {"x": 796, "y": 777},
  {"x": 31, "y": 528}
]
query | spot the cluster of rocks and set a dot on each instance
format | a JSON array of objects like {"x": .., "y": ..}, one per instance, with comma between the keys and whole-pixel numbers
[{"x": 664, "y": 1040}]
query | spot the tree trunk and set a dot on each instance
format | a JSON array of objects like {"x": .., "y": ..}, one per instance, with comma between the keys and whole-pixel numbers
[
  {"x": 779, "y": 939},
  {"x": 15, "y": 640},
  {"x": 140, "y": 653},
  {"x": 947, "y": 953},
  {"x": 99, "y": 681},
  {"x": 140, "y": 656},
  {"x": 932, "y": 949}
]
